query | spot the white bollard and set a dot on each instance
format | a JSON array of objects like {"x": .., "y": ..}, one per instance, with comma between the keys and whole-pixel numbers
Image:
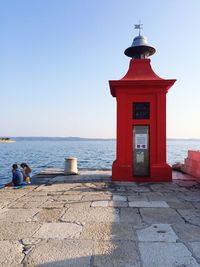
[{"x": 70, "y": 166}]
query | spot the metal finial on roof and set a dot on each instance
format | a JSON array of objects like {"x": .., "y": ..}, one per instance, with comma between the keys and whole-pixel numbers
[
  {"x": 139, "y": 48},
  {"x": 138, "y": 26}
]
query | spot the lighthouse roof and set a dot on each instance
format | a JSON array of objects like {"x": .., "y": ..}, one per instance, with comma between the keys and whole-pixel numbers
[{"x": 140, "y": 48}]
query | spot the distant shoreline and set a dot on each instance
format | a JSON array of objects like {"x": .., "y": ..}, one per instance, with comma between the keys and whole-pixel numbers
[
  {"x": 77, "y": 139},
  {"x": 7, "y": 141}
]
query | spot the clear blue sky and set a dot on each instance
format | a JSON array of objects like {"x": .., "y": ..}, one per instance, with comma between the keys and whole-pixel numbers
[{"x": 56, "y": 57}]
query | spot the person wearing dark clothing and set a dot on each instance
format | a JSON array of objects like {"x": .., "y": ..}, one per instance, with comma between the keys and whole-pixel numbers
[{"x": 17, "y": 178}]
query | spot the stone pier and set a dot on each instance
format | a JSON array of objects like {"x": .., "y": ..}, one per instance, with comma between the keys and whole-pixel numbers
[{"x": 86, "y": 220}]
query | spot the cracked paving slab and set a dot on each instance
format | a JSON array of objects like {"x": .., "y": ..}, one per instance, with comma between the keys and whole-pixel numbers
[
  {"x": 190, "y": 196},
  {"x": 116, "y": 254},
  {"x": 53, "y": 204},
  {"x": 78, "y": 205},
  {"x": 2, "y": 211},
  {"x": 59, "y": 230},
  {"x": 102, "y": 203},
  {"x": 25, "y": 205},
  {"x": 55, "y": 187},
  {"x": 114, "y": 203},
  {"x": 108, "y": 231},
  {"x": 119, "y": 198},
  {"x": 17, "y": 231},
  {"x": 60, "y": 252},
  {"x": 18, "y": 215},
  {"x": 180, "y": 205},
  {"x": 160, "y": 215},
  {"x": 188, "y": 183},
  {"x": 191, "y": 216},
  {"x": 69, "y": 197},
  {"x": 48, "y": 215},
  {"x": 196, "y": 204},
  {"x": 14, "y": 252},
  {"x": 118, "y": 204},
  {"x": 12, "y": 195},
  {"x": 9, "y": 196},
  {"x": 155, "y": 254},
  {"x": 4, "y": 203},
  {"x": 195, "y": 249},
  {"x": 169, "y": 187},
  {"x": 187, "y": 232},
  {"x": 158, "y": 196},
  {"x": 28, "y": 198},
  {"x": 148, "y": 204},
  {"x": 137, "y": 197},
  {"x": 130, "y": 215},
  {"x": 97, "y": 214},
  {"x": 97, "y": 197},
  {"x": 141, "y": 189},
  {"x": 157, "y": 233}
]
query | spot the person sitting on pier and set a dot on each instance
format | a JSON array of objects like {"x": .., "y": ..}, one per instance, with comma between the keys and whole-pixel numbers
[
  {"x": 26, "y": 170},
  {"x": 17, "y": 178}
]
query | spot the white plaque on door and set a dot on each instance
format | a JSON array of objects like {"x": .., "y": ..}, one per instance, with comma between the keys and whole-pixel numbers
[{"x": 141, "y": 141}]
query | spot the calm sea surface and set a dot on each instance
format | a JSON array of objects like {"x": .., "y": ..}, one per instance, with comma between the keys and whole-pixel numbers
[{"x": 91, "y": 154}]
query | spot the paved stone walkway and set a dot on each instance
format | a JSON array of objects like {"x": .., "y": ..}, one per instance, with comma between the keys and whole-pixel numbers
[{"x": 98, "y": 223}]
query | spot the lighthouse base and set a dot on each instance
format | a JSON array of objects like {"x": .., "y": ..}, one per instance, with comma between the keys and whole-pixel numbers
[{"x": 158, "y": 173}]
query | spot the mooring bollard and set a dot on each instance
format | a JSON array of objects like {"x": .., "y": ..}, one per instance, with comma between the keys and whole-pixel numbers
[{"x": 70, "y": 166}]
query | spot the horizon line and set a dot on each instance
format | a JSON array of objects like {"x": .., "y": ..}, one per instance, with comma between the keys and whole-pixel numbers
[{"x": 108, "y": 138}]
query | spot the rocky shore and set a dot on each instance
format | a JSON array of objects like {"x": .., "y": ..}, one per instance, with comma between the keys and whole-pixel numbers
[{"x": 86, "y": 220}]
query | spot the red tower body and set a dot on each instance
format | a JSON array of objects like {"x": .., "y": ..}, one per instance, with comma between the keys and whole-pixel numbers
[{"x": 141, "y": 124}]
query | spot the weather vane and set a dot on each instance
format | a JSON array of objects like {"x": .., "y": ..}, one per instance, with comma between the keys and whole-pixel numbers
[{"x": 139, "y": 26}]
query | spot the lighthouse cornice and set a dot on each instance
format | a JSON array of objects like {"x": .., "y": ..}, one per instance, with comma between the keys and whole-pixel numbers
[{"x": 146, "y": 86}]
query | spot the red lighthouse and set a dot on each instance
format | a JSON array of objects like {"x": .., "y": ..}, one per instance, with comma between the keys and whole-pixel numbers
[{"x": 141, "y": 119}]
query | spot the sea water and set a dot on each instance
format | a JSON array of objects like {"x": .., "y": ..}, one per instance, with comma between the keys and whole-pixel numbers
[{"x": 90, "y": 154}]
